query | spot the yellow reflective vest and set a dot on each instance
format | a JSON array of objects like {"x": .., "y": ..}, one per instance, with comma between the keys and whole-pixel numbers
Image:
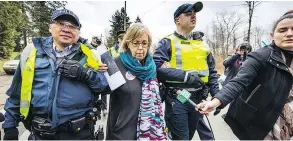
[
  {"x": 28, "y": 71},
  {"x": 113, "y": 52},
  {"x": 190, "y": 56}
]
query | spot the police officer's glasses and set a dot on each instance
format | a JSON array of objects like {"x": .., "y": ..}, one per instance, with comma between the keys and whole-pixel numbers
[
  {"x": 66, "y": 25},
  {"x": 143, "y": 44}
]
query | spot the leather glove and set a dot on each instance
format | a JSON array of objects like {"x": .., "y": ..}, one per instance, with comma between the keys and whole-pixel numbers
[
  {"x": 217, "y": 111},
  {"x": 194, "y": 79},
  {"x": 10, "y": 134},
  {"x": 72, "y": 69}
]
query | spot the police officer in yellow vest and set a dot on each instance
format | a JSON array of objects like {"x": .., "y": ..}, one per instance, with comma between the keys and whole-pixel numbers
[
  {"x": 114, "y": 50},
  {"x": 53, "y": 88},
  {"x": 96, "y": 41},
  {"x": 184, "y": 63}
]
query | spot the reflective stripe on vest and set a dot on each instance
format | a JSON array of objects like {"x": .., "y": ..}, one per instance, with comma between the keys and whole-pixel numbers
[
  {"x": 26, "y": 83},
  {"x": 29, "y": 71},
  {"x": 189, "y": 56}
]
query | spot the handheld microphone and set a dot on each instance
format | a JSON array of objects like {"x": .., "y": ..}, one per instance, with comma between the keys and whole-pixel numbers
[{"x": 183, "y": 96}]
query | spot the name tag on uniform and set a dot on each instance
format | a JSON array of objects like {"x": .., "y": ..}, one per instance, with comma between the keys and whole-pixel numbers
[{"x": 184, "y": 42}]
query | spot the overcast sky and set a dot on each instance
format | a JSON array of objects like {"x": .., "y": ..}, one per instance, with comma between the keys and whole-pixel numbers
[{"x": 158, "y": 15}]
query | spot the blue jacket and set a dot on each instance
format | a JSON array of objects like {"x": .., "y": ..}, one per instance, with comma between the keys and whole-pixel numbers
[
  {"x": 57, "y": 97},
  {"x": 163, "y": 53}
]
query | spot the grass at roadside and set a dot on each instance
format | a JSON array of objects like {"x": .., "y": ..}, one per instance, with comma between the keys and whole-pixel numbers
[{"x": 4, "y": 60}]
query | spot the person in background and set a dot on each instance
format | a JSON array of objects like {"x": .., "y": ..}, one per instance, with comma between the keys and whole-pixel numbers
[
  {"x": 96, "y": 42},
  {"x": 233, "y": 62},
  {"x": 114, "y": 50}
]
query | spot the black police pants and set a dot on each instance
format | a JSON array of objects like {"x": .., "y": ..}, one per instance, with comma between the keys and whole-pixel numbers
[
  {"x": 83, "y": 134},
  {"x": 181, "y": 120},
  {"x": 204, "y": 132}
]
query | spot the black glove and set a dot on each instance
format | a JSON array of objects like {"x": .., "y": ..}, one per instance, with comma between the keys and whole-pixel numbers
[
  {"x": 10, "y": 134},
  {"x": 217, "y": 111},
  {"x": 194, "y": 79},
  {"x": 72, "y": 69}
]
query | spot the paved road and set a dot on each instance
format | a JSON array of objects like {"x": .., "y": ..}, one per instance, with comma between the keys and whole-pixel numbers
[
  {"x": 220, "y": 128},
  {"x": 5, "y": 81}
]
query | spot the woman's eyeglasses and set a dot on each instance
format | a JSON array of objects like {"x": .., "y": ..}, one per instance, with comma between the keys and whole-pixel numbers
[{"x": 143, "y": 44}]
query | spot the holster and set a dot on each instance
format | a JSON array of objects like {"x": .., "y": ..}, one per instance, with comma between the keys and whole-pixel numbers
[
  {"x": 76, "y": 125},
  {"x": 42, "y": 128}
]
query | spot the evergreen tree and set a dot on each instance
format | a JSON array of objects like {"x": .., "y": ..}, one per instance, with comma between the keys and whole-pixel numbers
[
  {"x": 40, "y": 13},
  {"x": 37, "y": 15},
  {"x": 117, "y": 24},
  {"x": 10, "y": 22}
]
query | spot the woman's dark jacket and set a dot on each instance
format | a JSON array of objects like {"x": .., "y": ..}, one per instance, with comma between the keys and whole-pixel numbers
[
  {"x": 124, "y": 108},
  {"x": 260, "y": 88}
]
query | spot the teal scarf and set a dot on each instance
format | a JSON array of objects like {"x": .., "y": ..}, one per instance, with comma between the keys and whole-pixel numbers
[
  {"x": 145, "y": 72},
  {"x": 150, "y": 124}
]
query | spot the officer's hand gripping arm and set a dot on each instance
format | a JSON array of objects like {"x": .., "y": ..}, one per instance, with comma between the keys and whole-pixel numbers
[
  {"x": 72, "y": 69},
  {"x": 161, "y": 55}
]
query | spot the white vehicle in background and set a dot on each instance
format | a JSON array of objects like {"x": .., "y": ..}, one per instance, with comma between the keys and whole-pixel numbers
[{"x": 10, "y": 66}]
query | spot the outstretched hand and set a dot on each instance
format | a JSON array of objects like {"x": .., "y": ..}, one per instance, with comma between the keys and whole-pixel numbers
[{"x": 208, "y": 106}]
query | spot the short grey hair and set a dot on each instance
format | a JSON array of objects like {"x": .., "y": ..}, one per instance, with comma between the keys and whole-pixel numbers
[{"x": 133, "y": 32}]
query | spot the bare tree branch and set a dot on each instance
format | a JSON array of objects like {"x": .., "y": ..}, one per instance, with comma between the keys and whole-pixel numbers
[
  {"x": 257, "y": 3},
  {"x": 224, "y": 31}
]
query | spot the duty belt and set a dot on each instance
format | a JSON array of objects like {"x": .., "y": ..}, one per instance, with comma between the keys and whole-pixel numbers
[{"x": 41, "y": 127}]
